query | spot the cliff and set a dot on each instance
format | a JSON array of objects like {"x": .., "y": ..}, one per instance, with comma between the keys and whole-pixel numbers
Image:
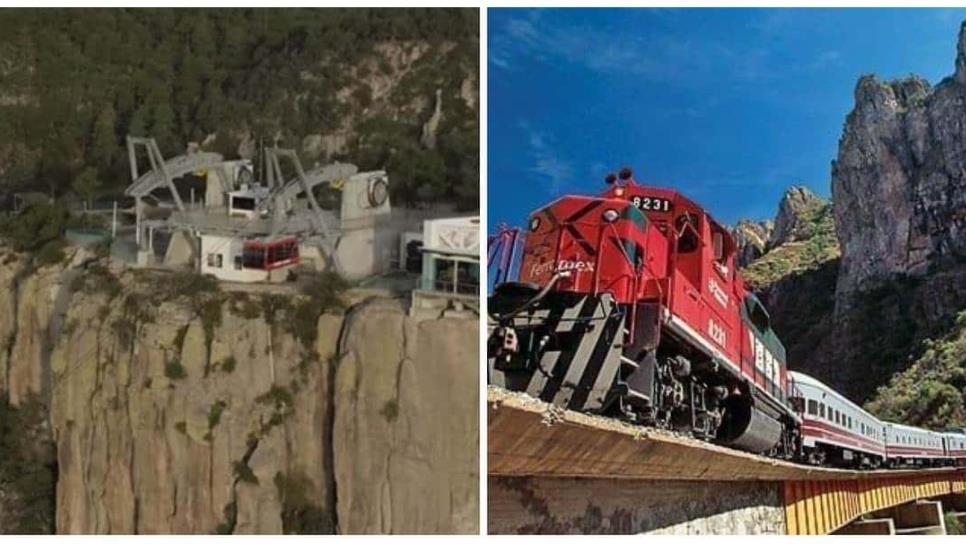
[
  {"x": 873, "y": 281},
  {"x": 752, "y": 239},
  {"x": 172, "y": 405},
  {"x": 803, "y": 239}
]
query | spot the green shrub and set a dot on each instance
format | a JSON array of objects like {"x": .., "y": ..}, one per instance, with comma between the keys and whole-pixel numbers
[
  {"x": 174, "y": 370},
  {"x": 35, "y": 226},
  {"x": 51, "y": 253},
  {"x": 28, "y": 469},
  {"x": 214, "y": 415},
  {"x": 97, "y": 278},
  {"x": 930, "y": 392},
  {"x": 390, "y": 410},
  {"x": 209, "y": 311},
  {"x": 179, "y": 338},
  {"x": 953, "y": 524},
  {"x": 183, "y": 284},
  {"x": 278, "y": 396},
  {"x": 243, "y": 306},
  {"x": 300, "y": 514},
  {"x": 274, "y": 307},
  {"x": 321, "y": 293},
  {"x": 244, "y": 473},
  {"x": 228, "y": 364}
]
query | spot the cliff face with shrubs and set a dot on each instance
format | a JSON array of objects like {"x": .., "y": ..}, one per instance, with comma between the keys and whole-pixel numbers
[
  {"x": 871, "y": 285},
  {"x": 150, "y": 402}
]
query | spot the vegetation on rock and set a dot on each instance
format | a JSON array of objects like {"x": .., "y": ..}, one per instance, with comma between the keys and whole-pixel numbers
[
  {"x": 174, "y": 370},
  {"x": 815, "y": 246},
  {"x": 931, "y": 392},
  {"x": 244, "y": 473},
  {"x": 28, "y": 470},
  {"x": 301, "y": 515}
]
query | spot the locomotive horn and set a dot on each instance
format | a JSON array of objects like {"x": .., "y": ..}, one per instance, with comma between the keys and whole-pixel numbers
[
  {"x": 610, "y": 179},
  {"x": 626, "y": 173}
]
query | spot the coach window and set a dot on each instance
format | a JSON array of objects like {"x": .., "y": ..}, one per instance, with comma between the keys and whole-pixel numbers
[
  {"x": 821, "y": 410},
  {"x": 812, "y": 407}
]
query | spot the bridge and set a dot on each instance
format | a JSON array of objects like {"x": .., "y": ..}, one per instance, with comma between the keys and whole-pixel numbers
[{"x": 557, "y": 471}]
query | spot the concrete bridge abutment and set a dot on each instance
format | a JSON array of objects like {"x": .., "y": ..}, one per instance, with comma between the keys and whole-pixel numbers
[{"x": 542, "y": 505}]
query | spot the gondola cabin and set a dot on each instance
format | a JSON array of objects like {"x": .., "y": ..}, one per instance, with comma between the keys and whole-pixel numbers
[
  {"x": 252, "y": 260},
  {"x": 270, "y": 254}
]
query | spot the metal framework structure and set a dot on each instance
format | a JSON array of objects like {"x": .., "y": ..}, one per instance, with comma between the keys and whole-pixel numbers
[{"x": 163, "y": 172}]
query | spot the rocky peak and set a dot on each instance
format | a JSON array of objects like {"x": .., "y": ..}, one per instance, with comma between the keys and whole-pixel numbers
[
  {"x": 877, "y": 98},
  {"x": 961, "y": 55},
  {"x": 752, "y": 238},
  {"x": 797, "y": 211},
  {"x": 899, "y": 181}
]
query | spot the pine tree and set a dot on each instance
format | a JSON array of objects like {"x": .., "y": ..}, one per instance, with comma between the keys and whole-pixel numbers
[
  {"x": 104, "y": 144},
  {"x": 86, "y": 184}
]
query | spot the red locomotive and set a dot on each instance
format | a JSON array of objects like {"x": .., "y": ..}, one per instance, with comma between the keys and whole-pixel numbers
[{"x": 630, "y": 304}]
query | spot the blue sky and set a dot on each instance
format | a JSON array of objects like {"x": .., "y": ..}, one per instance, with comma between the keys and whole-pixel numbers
[{"x": 731, "y": 106}]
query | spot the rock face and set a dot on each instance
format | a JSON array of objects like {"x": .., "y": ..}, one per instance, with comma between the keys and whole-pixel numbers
[
  {"x": 239, "y": 414},
  {"x": 899, "y": 206},
  {"x": 404, "y": 460},
  {"x": 752, "y": 238},
  {"x": 899, "y": 182},
  {"x": 431, "y": 126},
  {"x": 796, "y": 212}
]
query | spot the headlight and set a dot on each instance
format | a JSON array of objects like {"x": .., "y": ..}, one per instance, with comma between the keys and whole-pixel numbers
[{"x": 610, "y": 215}]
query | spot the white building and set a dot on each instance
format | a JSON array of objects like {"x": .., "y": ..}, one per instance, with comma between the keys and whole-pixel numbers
[{"x": 451, "y": 256}]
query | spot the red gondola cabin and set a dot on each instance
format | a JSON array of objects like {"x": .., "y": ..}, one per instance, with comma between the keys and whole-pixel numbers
[{"x": 270, "y": 254}]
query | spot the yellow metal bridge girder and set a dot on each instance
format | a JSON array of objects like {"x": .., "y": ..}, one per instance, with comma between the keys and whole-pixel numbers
[{"x": 818, "y": 507}]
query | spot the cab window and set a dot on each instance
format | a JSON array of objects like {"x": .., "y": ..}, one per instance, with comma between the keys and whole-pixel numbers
[
  {"x": 812, "y": 407},
  {"x": 759, "y": 316},
  {"x": 688, "y": 237},
  {"x": 721, "y": 252}
]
